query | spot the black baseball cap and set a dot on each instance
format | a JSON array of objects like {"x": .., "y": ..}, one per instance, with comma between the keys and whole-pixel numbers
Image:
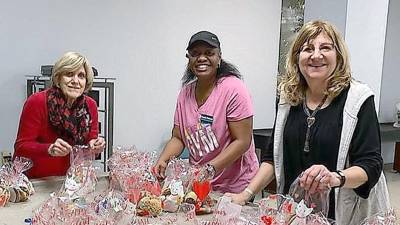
[{"x": 205, "y": 36}]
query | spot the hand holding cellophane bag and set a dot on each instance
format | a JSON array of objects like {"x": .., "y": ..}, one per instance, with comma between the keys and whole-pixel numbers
[
  {"x": 71, "y": 204},
  {"x": 299, "y": 207},
  {"x": 311, "y": 209},
  {"x": 81, "y": 177},
  {"x": 175, "y": 185}
]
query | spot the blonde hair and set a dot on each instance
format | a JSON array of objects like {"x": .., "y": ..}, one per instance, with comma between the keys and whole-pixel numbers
[
  {"x": 70, "y": 62},
  {"x": 293, "y": 85}
]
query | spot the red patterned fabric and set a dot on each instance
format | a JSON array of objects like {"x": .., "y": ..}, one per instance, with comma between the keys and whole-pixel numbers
[
  {"x": 36, "y": 134},
  {"x": 71, "y": 124}
]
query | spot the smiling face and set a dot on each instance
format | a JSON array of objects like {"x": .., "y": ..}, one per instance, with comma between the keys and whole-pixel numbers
[
  {"x": 317, "y": 58},
  {"x": 73, "y": 84},
  {"x": 204, "y": 60}
]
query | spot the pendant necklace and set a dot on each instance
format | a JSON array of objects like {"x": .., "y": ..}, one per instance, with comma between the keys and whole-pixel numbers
[{"x": 311, "y": 121}]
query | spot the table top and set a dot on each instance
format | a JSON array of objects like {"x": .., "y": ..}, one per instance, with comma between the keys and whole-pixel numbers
[{"x": 16, "y": 213}]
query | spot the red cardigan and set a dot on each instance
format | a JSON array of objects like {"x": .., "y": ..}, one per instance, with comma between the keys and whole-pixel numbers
[{"x": 35, "y": 135}]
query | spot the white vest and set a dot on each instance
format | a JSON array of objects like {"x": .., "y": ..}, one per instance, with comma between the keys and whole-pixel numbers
[{"x": 350, "y": 209}]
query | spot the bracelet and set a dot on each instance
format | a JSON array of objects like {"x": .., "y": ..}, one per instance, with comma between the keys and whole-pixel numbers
[
  {"x": 250, "y": 192},
  {"x": 342, "y": 178}
]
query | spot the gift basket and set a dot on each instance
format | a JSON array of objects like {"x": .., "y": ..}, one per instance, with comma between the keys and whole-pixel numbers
[
  {"x": 113, "y": 207},
  {"x": 14, "y": 185},
  {"x": 72, "y": 203},
  {"x": 175, "y": 185},
  {"x": 299, "y": 207},
  {"x": 132, "y": 174},
  {"x": 81, "y": 177}
]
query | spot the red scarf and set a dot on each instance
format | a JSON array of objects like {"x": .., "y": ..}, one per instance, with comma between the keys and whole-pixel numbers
[{"x": 71, "y": 124}]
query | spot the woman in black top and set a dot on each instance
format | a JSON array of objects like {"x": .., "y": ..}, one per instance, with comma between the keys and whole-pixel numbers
[{"x": 315, "y": 88}]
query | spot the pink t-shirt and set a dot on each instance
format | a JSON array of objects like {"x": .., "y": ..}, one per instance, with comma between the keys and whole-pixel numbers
[{"x": 206, "y": 133}]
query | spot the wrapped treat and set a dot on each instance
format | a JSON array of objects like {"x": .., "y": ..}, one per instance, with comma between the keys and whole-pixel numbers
[
  {"x": 81, "y": 176},
  {"x": 70, "y": 205},
  {"x": 311, "y": 209},
  {"x": 4, "y": 196},
  {"x": 191, "y": 198},
  {"x": 227, "y": 212},
  {"x": 189, "y": 218},
  {"x": 318, "y": 201},
  {"x": 149, "y": 199},
  {"x": 276, "y": 209},
  {"x": 249, "y": 215},
  {"x": 12, "y": 178},
  {"x": 149, "y": 206},
  {"x": 18, "y": 194},
  {"x": 175, "y": 184},
  {"x": 384, "y": 218},
  {"x": 201, "y": 187},
  {"x": 131, "y": 172},
  {"x": 112, "y": 206}
]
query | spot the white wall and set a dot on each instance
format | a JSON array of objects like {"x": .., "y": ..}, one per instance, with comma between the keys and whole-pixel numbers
[
  {"x": 332, "y": 11},
  {"x": 142, "y": 43},
  {"x": 365, "y": 37},
  {"x": 390, "y": 85}
]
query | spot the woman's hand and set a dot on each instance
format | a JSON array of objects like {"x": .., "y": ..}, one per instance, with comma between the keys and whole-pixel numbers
[
  {"x": 317, "y": 178},
  {"x": 159, "y": 168},
  {"x": 240, "y": 198},
  {"x": 97, "y": 145},
  {"x": 59, "y": 148}
]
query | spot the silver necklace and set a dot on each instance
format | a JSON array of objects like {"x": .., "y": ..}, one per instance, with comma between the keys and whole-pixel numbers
[{"x": 311, "y": 121}]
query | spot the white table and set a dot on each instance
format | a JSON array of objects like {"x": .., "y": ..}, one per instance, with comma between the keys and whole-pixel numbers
[{"x": 16, "y": 213}]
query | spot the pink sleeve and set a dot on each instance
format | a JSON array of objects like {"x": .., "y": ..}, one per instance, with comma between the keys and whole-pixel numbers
[
  {"x": 176, "y": 116},
  {"x": 240, "y": 105},
  {"x": 178, "y": 109},
  {"x": 32, "y": 116}
]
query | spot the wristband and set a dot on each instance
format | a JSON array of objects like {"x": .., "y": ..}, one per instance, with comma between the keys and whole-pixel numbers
[{"x": 342, "y": 178}]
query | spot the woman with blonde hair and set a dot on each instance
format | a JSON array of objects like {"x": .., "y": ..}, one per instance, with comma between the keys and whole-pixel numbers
[
  {"x": 326, "y": 130},
  {"x": 54, "y": 120}
]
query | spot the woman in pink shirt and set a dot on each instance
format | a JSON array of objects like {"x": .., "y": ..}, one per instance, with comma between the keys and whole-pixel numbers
[{"x": 213, "y": 118}]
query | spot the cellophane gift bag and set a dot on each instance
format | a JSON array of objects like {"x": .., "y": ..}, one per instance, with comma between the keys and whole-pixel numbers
[
  {"x": 112, "y": 206},
  {"x": 384, "y": 218},
  {"x": 175, "y": 185},
  {"x": 226, "y": 212},
  {"x": 132, "y": 173},
  {"x": 14, "y": 184},
  {"x": 199, "y": 191},
  {"x": 72, "y": 203},
  {"x": 81, "y": 177},
  {"x": 276, "y": 209},
  {"x": 310, "y": 209}
]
